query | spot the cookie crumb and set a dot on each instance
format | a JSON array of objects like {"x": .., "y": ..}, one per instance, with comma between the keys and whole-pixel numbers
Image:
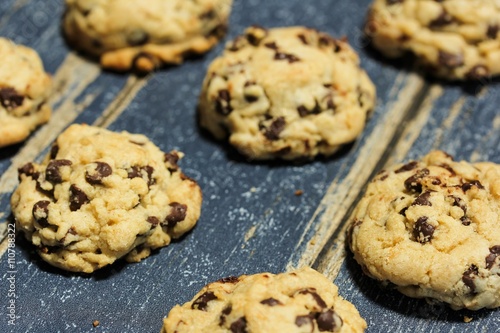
[
  {"x": 95, "y": 323},
  {"x": 467, "y": 319},
  {"x": 298, "y": 193}
]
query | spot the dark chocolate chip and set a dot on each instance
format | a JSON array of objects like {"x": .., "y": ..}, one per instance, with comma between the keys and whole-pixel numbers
[
  {"x": 469, "y": 275},
  {"x": 153, "y": 220},
  {"x": 229, "y": 279},
  {"x": 492, "y": 257},
  {"x": 101, "y": 171},
  {"x": 223, "y": 102},
  {"x": 286, "y": 56},
  {"x": 451, "y": 60},
  {"x": 413, "y": 183},
  {"x": 45, "y": 188},
  {"x": 407, "y": 167},
  {"x": 303, "y": 111},
  {"x": 28, "y": 169},
  {"x": 10, "y": 98},
  {"x": 303, "y": 320},
  {"x": 40, "y": 212},
  {"x": 77, "y": 198},
  {"x": 222, "y": 318},
  {"x": 53, "y": 151},
  {"x": 137, "y": 37},
  {"x": 172, "y": 159},
  {"x": 303, "y": 39},
  {"x": 423, "y": 199},
  {"x": 492, "y": 31},
  {"x": 208, "y": 15},
  {"x": 466, "y": 221},
  {"x": 52, "y": 173},
  {"x": 239, "y": 326},
  {"x": 201, "y": 302},
  {"x": 255, "y": 35},
  {"x": 271, "y": 45},
  {"x": 443, "y": 19},
  {"x": 459, "y": 202},
  {"x": 326, "y": 321},
  {"x": 477, "y": 72},
  {"x": 393, "y": 2},
  {"x": 422, "y": 230},
  {"x": 449, "y": 168},
  {"x": 467, "y": 186},
  {"x": 312, "y": 292},
  {"x": 177, "y": 214},
  {"x": 277, "y": 126},
  {"x": 271, "y": 302},
  {"x": 403, "y": 211},
  {"x": 141, "y": 171}
]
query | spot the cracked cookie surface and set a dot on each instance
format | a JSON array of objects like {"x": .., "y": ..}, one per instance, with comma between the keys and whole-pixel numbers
[
  {"x": 453, "y": 39},
  {"x": 100, "y": 195},
  {"x": 289, "y": 93},
  {"x": 24, "y": 90},
  {"x": 299, "y": 301},
  {"x": 432, "y": 228},
  {"x": 144, "y": 35}
]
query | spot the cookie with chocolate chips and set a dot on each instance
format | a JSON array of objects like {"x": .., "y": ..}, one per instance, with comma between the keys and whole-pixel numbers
[
  {"x": 100, "y": 195},
  {"x": 453, "y": 39},
  {"x": 431, "y": 228},
  {"x": 24, "y": 90},
  {"x": 142, "y": 35},
  {"x": 286, "y": 93},
  {"x": 299, "y": 301}
]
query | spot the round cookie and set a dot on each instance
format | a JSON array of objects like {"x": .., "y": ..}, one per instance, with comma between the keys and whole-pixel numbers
[
  {"x": 99, "y": 196},
  {"x": 24, "y": 89},
  {"x": 454, "y": 39},
  {"x": 300, "y": 301},
  {"x": 143, "y": 35},
  {"x": 432, "y": 228},
  {"x": 289, "y": 93}
]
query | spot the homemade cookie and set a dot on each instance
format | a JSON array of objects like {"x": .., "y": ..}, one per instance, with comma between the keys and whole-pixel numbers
[
  {"x": 300, "y": 301},
  {"x": 100, "y": 195},
  {"x": 143, "y": 35},
  {"x": 454, "y": 39},
  {"x": 24, "y": 89},
  {"x": 432, "y": 228},
  {"x": 286, "y": 93}
]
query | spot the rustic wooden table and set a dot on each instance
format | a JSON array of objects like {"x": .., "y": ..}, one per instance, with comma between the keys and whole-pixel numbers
[{"x": 251, "y": 219}]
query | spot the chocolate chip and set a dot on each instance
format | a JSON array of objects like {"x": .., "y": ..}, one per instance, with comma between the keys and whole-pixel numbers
[
  {"x": 312, "y": 292},
  {"x": 137, "y": 37},
  {"x": 223, "y": 102},
  {"x": 450, "y": 60},
  {"x": 255, "y": 35},
  {"x": 141, "y": 171},
  {"x": 277, "y": 126},
  {"x": 28, "y": 169},
  {"x": 53, "y": 151},
  {"x": 403, "y": 211},
  {"x": 303, "y": 39},
  {"x": 271, "y": 302},
  {"x": 229, "y": 279},
  {"x": 271, "y": 45},
  {"x": 477, "y": 72},
  {"x": 492, "y": 31},
  {"x": 239, "y": 326},
  {"x": 153, "y": 220},
  {"x": 77, "y": 198},
  {"x": 423, "y": 200},
  {"x": 172, "y": 159},
  {"x": 40, "y": 212},
  {"x": 466, "y": 221},
  {"x": 222, "y": 318},
  {"x": 422, "y": 230},
  {"x": 201, "y": 302},
  {"x": 303, "y": 111},
  {"x": 286, "y": 56},
  {"x": 467, "y": 186},
  {"x": 101, "y": 171},
  {"x": 443, "y": 19},
  {"x": 303, "y": 320},
  {"x": 469, "y": 275},
  {"x": 177, "y": 214},
  {"x": 208, "y": 15},
  {"x": 393, "y": 2},
  {"x": 326, "y": 321},
  {"x": 10, "y": 98},
  {"x": 52, "y": 173},
  {"x": 449, "y": 168},
  {"x": 407, "y": 167},
  {"x": 492, "y": 257},
  {"x": 42, "y": 186},
  {"x": 459, "y": 202},
  {"x": 413, "y": 183}
]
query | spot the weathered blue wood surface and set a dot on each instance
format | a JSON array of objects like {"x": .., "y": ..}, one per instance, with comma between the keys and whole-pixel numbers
[{"x": 251, "y": 220}]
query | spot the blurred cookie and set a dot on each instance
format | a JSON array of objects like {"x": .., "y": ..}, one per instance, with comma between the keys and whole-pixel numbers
[
  {"x": 432, "y": 228},
  {"x": 99, "y": 196},
  {"x": 300, "y": 301},
  {"x": 24, "y": 90},
  {"x": 290, "y": 93},
  {"x": 144, "y": 35},
  {"x": 454, "y": 39}
]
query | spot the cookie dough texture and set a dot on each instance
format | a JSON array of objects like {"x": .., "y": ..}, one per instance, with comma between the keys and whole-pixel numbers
[
  {"x": 432, "y": 229},
  {"x": 143, "y": 35},
  {"x": 454, "y": 39},
  {"x": 289, "y": 93},
  {"x": 24, "y": 89},
  {"x": 300, "y": 301},
  {"x": 100, "y": 195}
]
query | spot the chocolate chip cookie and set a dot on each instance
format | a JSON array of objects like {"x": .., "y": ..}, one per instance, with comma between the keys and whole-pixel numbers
[
  {"x": 289, "y": 93},
  {"x": 100, "y": 195},
  {"x": 300, "y": 301},
  {"x": 432, "y": 229},
  {"x": 24, "y": 90},
  {"x": 453, "y": 39},
  {"x": 143, "y": 35}
]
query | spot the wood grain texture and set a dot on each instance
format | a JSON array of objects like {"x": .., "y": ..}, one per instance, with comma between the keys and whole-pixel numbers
[{"x": 251, "y": 219}]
